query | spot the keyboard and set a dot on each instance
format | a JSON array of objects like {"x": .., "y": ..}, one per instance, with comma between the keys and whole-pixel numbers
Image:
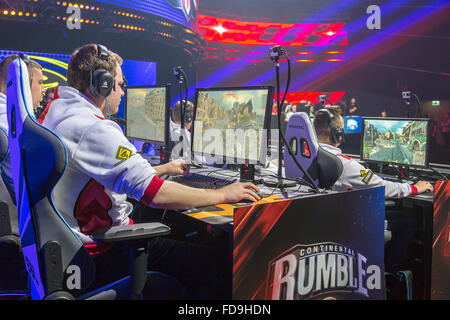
[{"x": 195, "y": 180}]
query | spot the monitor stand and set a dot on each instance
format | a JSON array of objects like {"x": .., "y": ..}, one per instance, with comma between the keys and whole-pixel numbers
[
  {"x": 163, "y": 156},
  {"x": 247, "y": 172},
  {"x": 403, "y": 172}
]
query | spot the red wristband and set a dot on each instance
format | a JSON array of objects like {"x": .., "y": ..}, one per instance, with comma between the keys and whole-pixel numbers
[
  {"x": 413, "y": 189},
  {"x": 152, "y": 190}
]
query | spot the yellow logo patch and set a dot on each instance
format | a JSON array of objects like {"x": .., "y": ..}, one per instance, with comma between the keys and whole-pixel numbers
[
  {"x": 122, "y": 155},
  {"x": 366, "y": 176}
]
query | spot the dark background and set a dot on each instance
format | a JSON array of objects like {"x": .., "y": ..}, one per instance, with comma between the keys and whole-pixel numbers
[{"x": 414, "y": 56}]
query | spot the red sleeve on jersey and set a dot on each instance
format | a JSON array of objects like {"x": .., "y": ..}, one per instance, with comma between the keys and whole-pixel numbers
[{"x": 152, "y": 190}]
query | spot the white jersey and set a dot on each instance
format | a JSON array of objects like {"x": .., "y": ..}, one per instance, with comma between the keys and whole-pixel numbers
[
  {"x": 355, "y": 176},
  {"x": 103, "y": 166}
]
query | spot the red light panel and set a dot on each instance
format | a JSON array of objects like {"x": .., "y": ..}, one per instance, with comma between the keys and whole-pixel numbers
[{"x": 261, "y": 33}]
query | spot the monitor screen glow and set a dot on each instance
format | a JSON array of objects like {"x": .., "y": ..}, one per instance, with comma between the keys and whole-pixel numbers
[
  {"x": 230, "y": 122},
  {"x": 397, "y": 141},
  {"x": 145, "y": 113}
]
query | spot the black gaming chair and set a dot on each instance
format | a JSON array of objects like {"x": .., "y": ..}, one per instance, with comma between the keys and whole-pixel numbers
[
  {"x": 323, "y": 167},
  {"x": 13, "y": 280},
  {"x": 9, "y": 229},
  {"x": 58, "y": 264}
]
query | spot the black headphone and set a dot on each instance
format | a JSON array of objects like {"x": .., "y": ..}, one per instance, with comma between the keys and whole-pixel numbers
[
  {"x": 187, "y": 117},
  {"x": 26, "y": 59},
  {"x": 101, "y": 82},
  {"x": 336, "y": 133}
]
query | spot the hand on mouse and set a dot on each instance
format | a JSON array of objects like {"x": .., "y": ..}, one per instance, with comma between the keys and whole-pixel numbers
[{"x": 423, "y": 186}]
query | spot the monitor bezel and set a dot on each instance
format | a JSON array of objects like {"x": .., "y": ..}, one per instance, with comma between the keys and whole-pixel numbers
[
  {"x": 166, "y": 114},
  {"x": 427, "y": 154},
  {"x": 267, "y": 116}
]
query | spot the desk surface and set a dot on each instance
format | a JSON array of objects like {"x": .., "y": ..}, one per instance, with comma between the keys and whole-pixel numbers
[{"x": 223, "y": 213}]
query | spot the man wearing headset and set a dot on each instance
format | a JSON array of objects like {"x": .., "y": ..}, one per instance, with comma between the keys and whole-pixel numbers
[
  {"x": 329, "y": 127},
  {"x": 104, "y": 169},
  {"x": 37, "y": 91},
  {"x": 175, "y": 126}
]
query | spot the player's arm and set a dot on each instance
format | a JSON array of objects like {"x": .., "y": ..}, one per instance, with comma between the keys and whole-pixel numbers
[
  {"x": 173, "y": 195},
  {"x": 173, "y": 168},
  {"x": 358, "y": 177}
]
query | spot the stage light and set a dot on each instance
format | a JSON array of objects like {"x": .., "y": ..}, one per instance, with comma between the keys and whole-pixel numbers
[
  {"x": 34, "y": 15},
  {"x": 5, "y": 12},
  {"x": 305, "y": 60},
  {"x": 13, "y": 13},
  {"x": 220, "y": 29},
  {"x": 20, "y": 13},
  {"x": 330, "y": 33},
  {"x": 334, "y": 60},
  {"x": 303, "y": 52},
  {"x": 333, "y": 52}
]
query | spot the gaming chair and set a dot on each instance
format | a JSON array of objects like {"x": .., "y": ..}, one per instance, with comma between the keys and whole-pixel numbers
[
  {"x": 58, "y": 264},
  {"x": 13, "y": 280},
  {"x": 9, "y": 232},
  {"x": 323, "y": 167}
]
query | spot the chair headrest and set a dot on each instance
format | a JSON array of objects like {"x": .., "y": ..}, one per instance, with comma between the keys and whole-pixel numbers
[{"x": 324, "y": 167}]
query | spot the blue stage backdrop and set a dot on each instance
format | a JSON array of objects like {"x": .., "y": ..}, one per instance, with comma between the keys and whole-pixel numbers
[{"x": 54, "y": 67}]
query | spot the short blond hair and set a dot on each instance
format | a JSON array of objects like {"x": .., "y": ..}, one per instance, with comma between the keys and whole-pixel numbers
[
  {"x": 4, "y": 65},
  {"x": 83, "y": 60}
]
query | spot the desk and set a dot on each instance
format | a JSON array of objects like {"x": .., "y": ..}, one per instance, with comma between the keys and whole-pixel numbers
[
  {"x": 268, "y": 244},
  {"x": 440, "y": 279},
  {"x": 420, "y": 258},
  {"x": 429, "y": 256}
]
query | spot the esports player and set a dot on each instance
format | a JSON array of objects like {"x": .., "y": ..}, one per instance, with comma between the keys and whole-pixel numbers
[
  {"x": 37, "y": 90},
  {"x": 330, "y": 133},
  {"x": 104, "y": 169},
  {"x": 329, "y": 127},
  {"x": 175, "y": 124}
]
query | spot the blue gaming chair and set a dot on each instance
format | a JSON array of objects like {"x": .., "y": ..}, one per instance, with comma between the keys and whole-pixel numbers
[{"x": 58, "y": 264}]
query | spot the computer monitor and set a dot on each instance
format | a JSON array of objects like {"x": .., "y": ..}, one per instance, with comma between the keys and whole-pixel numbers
[
  {"x": 352, "y": 124},
  {"x": 396, "y": 141},
  {"x": 147, "y": 113},
  {"x": 229, "y": 123}
]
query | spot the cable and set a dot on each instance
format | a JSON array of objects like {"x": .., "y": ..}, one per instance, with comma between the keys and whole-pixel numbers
[
  {"x": 107, "y": 104},
  {"x": 163, "y": 215},
  {"x": 281, "y": 134},
  {"x": 419, "y": 105},
  {"x": 408, "y": 290},
  {"x": 434, "y": 170}
]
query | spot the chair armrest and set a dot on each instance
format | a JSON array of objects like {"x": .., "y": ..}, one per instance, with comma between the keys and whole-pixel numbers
[{"x": 131, "y": 232}]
